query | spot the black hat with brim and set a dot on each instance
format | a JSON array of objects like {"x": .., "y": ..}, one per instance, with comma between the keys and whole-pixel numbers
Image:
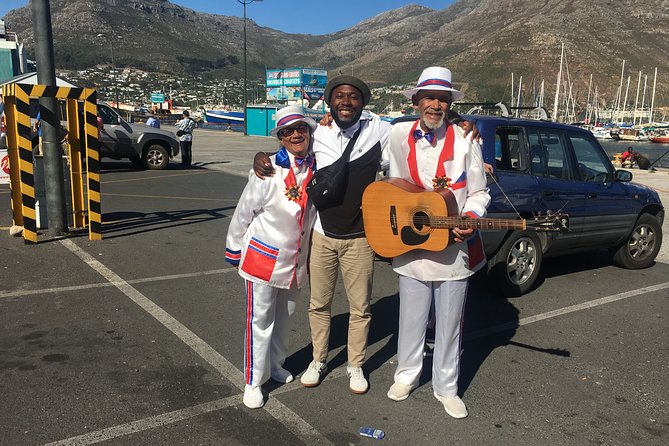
[{"x": 348, "y": 80}]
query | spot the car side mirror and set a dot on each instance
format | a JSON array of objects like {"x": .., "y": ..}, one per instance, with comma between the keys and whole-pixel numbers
[{"x": 623, "y": 176}]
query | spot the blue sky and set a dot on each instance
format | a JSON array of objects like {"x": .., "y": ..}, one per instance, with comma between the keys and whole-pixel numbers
[{"x": 295, "y": 16}]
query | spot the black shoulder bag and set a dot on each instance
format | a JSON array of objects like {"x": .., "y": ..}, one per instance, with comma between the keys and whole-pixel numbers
[{"x": 328, "y": 185}]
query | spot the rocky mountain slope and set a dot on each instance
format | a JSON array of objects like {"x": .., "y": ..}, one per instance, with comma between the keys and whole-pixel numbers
[{"x": 482, "y": 41}]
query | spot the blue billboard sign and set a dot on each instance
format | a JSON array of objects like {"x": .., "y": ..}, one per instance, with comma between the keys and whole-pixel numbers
[{"x": 295, "y": 83}]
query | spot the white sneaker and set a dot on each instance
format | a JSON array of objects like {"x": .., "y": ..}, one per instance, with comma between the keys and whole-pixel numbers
[
  {"x": 253, "y": 398},
  {"x": 281, "y": 375},
  {"x": 314, "y": 374},
  {"x": 357, "y": 382},
  {"x": 399, "y": 391},
  {"x": 453, "y": 405}
]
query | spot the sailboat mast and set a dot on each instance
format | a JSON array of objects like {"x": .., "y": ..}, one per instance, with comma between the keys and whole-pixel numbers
[
  {"x": 557, "y": 88},
  {"x": 652, "y": 101},
  {"x": 643, "y": 97},
  {"x": 587, "y": 102},
  {"x": 620, "y": 87},
  {"x": 622, "y": 114},
  {"x": 520, "y": 89},
  {"x": 596, "y": 105},
  {"x": 541, "y": 94},
  {"x": 636, "y": 101}
]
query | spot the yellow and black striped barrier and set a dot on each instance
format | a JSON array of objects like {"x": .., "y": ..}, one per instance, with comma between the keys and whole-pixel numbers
[{"x": 19, "y": 144}]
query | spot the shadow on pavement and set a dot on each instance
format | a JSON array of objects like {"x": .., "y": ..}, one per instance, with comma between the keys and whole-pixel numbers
[
  {"x": 484, "y": 309},
  {"x": 124, "y": 224}
]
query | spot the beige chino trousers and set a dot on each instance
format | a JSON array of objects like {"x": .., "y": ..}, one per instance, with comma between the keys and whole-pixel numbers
[{"x": 356, "y": 260}]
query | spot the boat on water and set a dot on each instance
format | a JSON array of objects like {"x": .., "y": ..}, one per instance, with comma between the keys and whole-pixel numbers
[
  {"x": 630, "y": 134},
  {"x": 223, "y": 116},
  {"x": 662, "y": 137},
  {"x": 601, "y": 132}
]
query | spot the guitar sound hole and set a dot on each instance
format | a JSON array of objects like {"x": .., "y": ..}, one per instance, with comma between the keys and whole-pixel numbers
[{"x": 420, "y": 220}]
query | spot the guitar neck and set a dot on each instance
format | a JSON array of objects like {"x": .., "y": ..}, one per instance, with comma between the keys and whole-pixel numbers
[{"x": 476, "y": 223}]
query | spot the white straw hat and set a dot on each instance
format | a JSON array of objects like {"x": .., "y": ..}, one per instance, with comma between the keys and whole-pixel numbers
[
  {"x": 435, "y": 78},
  {"x": 290, "y": 115}
]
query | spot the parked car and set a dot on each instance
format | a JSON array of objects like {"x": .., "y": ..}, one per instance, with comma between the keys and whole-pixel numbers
[
  {"x": 145, "y": 146},
  {"x": 545, "y": 168}
]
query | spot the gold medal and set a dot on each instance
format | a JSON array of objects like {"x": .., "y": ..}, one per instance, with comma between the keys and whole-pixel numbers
[
  {"x": 441, "y": 182},
  {"x": 293, "y": 193}
]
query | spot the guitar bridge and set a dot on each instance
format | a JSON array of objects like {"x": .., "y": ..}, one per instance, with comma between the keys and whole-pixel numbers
[{"x": 393, "y": 219}]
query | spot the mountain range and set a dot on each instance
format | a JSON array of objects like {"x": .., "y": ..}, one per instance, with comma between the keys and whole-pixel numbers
[{"x": 481, "y": 41}]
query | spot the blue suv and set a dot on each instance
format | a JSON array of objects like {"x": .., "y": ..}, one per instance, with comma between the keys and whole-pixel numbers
[{"x": 542, "y": 167}]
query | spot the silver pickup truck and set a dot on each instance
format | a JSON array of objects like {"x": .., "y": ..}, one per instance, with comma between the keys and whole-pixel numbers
[{"x": 145, "y": 146}]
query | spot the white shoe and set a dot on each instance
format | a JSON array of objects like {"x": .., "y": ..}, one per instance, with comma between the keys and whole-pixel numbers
[
  {"x": 399, "y": 391},
  {"x": 357, "y": 382},
  {"x": 253, "y": 398},
  {"x": 314, "y": 374},
  {"x": 453, "y": 405},
  {"x": 281, "y": 375}
]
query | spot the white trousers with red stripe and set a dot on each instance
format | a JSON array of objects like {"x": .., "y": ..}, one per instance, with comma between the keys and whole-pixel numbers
[
  {"x": 268, "y": 312},
  {"x": 449, "y": 304}
]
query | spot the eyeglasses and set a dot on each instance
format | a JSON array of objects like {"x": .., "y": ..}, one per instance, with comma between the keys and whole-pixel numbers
[{"x": 288, "y": 131}]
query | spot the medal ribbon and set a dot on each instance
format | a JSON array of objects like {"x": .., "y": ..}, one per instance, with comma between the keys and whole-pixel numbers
[{"x": 291, "y": 181}]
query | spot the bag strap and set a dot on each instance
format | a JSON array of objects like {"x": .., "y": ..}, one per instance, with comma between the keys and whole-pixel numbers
[{"x": 351, "y": 143}]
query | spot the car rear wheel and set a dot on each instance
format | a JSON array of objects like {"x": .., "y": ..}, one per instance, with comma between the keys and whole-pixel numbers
[
  {"x": 516, "y": 265},
  {"x": 156, "y": 157},
  {"x": 642, "y": 245}
]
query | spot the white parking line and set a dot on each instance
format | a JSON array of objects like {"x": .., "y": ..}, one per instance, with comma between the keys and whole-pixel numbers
[
  {"x": 560, "y": 311},
  {"x": 18, "y": 293},
  {"x": 148, "y": 423},
  {"x": 293, "y": 422}
]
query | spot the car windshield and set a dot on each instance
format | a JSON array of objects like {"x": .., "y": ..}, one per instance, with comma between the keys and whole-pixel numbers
[{"x": 107, "y": 114}]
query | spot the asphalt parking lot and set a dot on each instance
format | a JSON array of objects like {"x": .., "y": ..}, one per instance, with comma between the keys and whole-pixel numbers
[{"x": 137, "y": 339}]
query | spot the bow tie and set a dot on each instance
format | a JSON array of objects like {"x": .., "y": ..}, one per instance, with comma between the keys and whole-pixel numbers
[
  {"x": 299, "y": 161},
  {"x": 417, "y": 134}
]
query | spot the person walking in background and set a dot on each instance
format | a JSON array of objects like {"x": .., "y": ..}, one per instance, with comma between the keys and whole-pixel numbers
[
  {"x": 268, "y": 241},
  {"x": 434, "y": 154},
  {"x": 185, "y": 129},
  {"x": 153, "y": 122}
]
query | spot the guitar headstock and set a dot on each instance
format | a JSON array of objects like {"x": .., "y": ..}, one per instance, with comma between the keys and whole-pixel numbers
[{"x": 557, "y": 222}]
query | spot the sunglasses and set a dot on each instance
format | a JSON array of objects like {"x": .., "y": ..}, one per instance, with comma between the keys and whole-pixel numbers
[{"x": 288, "y": 131}]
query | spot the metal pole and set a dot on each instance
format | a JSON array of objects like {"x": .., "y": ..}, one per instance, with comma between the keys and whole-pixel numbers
[
  {"x": 49, "y": 120},
  {"x": 245, "y": 2},
  {"x": 111, "y": 43},
  {"x": 245, "y": 114}
]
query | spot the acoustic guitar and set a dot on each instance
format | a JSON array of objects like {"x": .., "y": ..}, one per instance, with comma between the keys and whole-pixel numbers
[{"x": 400, "y": 217}]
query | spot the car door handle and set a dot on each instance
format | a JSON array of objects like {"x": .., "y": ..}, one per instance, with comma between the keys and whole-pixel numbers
[
  {"x": 548, "y": 193},
  {"x": 591, "y": 195}
]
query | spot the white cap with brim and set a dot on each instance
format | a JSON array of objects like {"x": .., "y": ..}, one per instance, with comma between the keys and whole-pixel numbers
[
  {"x": 288, "y": 116},
  {"x": 435, "y": 78}
]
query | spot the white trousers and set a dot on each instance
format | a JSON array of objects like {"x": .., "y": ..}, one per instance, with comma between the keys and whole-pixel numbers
[
  {"x": 449, "y": 304},
  {"x": 268, "y": 312}
]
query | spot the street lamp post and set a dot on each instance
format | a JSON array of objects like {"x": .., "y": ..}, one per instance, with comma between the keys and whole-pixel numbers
[
  {"x": 245, "y": 2},
  {"x": 111, "y": 45}
]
